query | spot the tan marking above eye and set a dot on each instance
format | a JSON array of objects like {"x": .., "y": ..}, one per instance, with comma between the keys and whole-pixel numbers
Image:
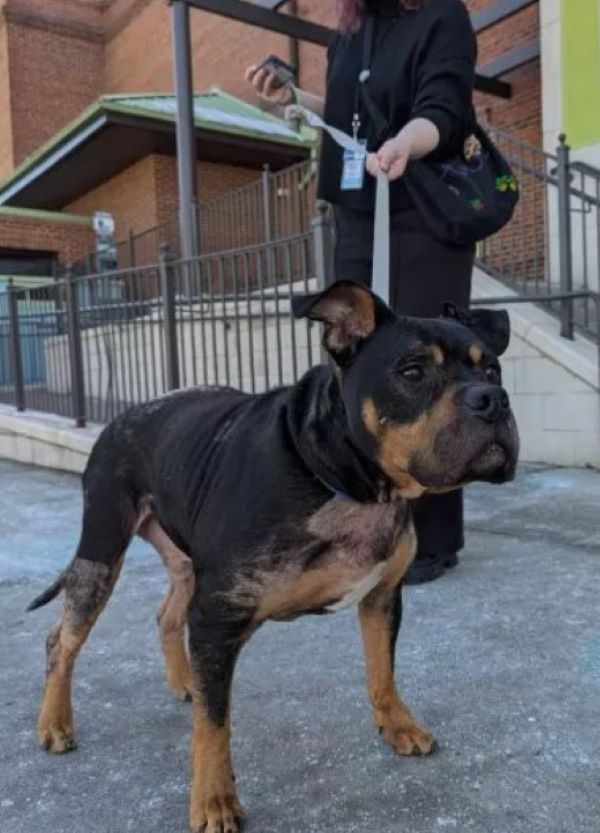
[
  {"x": 371, "y": 418},
  {"x": 475, "y": 353},
  {"x": 436, "y": 353}
]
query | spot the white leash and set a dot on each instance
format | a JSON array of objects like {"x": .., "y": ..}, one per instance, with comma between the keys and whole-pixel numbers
[{"x": 380, "y": 278}]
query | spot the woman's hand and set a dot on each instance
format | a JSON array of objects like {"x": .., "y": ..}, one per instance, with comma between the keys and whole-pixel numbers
[
  {"x": 391, "y": 158},
  {"x": 262, "y": 80},
  {"x": 418, "y": 138}
]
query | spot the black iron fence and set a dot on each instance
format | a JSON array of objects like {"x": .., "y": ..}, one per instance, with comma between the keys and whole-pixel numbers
[
  {"x": 552, "y": 244},
  {"x": 90, "y": 346},
  {"x": 278, "y": 204}
]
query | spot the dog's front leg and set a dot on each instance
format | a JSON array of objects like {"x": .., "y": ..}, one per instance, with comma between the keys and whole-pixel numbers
[
  {"x": 380, "y": 614},
  {"x": 215, "y": 641}
]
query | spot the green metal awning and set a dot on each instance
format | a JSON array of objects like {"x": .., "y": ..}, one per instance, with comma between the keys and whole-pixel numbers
[
  {"x": 217, "y": 111},
  {"x": 118, "y": 130}
]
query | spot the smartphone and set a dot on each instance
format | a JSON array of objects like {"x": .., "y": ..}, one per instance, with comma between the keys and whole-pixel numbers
[{"x": 283, "y": 73}]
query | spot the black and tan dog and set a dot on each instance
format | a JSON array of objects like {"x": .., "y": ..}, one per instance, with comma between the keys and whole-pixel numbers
[{"x": 291, "y": 502}]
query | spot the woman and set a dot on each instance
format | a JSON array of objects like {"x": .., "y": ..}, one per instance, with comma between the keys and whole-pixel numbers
[{"x": 421, "y": 55}]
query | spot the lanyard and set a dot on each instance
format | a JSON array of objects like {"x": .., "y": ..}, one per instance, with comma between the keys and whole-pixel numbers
[
  {"x": 380, "y": 276},
  {"x": 365, "y": 72}
]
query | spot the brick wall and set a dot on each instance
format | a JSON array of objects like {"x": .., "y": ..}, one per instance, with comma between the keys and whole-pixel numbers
[
  {"x": 214, "y": 179},
  {"x": 70, "y": 241},
  {"x": 60, "y": 56},
  {"x": 55, "y": 70},
  {"x": 145, "y": 194},
  {"x": 130, "y": 197},
  {"x": 125, "y": 46},
  {"x": 522, "y": 114},
  {"x": 313, "y": 59},
  {"x": 135, "y": 23},
  {"x": 138, "y": 56}
]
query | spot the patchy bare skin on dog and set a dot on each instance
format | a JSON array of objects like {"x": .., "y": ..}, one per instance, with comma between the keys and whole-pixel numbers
[
  {"x": 272, "y": 506},
  {"x": 87, "y": 588},
  {"x": 341, "y": 545}
]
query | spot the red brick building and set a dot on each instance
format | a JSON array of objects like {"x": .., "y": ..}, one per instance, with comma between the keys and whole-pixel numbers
[{"x": 59, "y": 58}]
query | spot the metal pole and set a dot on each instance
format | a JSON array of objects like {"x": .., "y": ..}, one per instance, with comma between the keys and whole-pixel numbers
[
  {"x": 266, "y": 201},
  {"x": 268, "y": 227},
  {"x": 186, "y": 134},
  {"x": 16, "y": 359},
  {"x": 565, "y": 238},
  {"x": 323, "y": 247},
  {"x": 131, "y": 247},
  {"x": 75, "y": 349},
  {"x": 323, "y": 241},
  {"x": 167, "y": 289}
]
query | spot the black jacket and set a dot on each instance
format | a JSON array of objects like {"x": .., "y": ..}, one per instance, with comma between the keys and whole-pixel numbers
[{"x": 423, "y": 65}]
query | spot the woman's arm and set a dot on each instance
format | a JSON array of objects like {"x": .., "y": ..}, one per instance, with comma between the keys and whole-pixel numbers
[
  {"x": 442, "y": 107},
  {"x": 262, "y": 81}
]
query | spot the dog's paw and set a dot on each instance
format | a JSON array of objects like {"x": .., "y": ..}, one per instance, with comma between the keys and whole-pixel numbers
[
  {"x": 219, "y": 814},
  {"x": 56, "y": 739},
  {"x": 409, "y": 739},
  {"x": 180, "y": 689},
  {"x": 179, "y": 679}
]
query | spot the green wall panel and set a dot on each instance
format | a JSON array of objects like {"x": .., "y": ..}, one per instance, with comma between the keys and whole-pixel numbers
[{"x": 581, "y": 71}]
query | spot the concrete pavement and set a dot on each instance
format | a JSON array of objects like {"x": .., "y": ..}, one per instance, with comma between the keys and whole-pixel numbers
[{"x": 500, "y": 658}]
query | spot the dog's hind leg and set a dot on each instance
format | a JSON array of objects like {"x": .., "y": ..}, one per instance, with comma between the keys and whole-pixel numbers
[
  {"x": 172, "y": 612},
  {"x": 87, "y": 584}
]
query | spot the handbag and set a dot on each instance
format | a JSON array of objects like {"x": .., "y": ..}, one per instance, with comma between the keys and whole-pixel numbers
[{"x": 462, "y": 199}]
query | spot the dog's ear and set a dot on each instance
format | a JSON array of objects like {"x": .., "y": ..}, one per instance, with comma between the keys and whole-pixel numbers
[
  {"x": 492, "y": 326},
  {"x": 351, "y": 314}
]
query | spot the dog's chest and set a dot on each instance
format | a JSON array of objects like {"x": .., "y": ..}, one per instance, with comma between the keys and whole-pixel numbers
[{"x": 353, "y": 548}]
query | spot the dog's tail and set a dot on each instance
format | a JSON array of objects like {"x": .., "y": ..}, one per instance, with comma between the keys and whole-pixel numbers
[{"x": 49, "y": 593}]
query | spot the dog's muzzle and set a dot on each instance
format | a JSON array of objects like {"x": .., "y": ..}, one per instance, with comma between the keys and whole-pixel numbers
[{"x": 487, "y": 408}]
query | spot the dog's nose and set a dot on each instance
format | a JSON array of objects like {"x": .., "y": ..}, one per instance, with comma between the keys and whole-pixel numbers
[{"x": 488, "y": 402}]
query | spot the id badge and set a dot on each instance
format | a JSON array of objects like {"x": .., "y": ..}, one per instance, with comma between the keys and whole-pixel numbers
[{"x": 353, "y": 170}]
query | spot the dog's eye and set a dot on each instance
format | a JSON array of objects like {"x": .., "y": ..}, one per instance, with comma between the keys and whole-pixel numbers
[
  {"x": 412, "y": 373},
  {"x": 492, "y": 374}
]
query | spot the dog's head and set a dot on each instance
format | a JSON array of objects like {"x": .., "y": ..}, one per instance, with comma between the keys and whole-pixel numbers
[{"x": 424, "y": 397}]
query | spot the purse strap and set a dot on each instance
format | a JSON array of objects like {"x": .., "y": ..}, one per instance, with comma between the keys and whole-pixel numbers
[{"x": 383, "y": 130}]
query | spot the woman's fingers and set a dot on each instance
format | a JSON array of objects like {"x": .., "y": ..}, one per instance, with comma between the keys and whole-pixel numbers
[
  {"x": 250, "y": 72},
  {"x": 393, "y": 165},
  {"x": 263, "y": 83},
  {"x": 373, "y": 166},
  {"x": 269, "y": 90},
  {"x": 393, "y": 158},
  {"x": 387, "y": 156},
  {"x": 398, "y": 167},
  {"x": 258, "y": 77},
  {"x": 259, "y": 81}
]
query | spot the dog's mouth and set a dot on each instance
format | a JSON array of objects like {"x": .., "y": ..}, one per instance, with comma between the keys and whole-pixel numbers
[
  {"x": 493, "y": 458},
  {"x": 493, "y": 455},
  {"x": 473, "y": 452},
  {"x": 496, "y": 460}
]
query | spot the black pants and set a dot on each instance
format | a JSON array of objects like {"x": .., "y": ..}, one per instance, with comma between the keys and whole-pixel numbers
[{"x": 424, "y": 274}]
